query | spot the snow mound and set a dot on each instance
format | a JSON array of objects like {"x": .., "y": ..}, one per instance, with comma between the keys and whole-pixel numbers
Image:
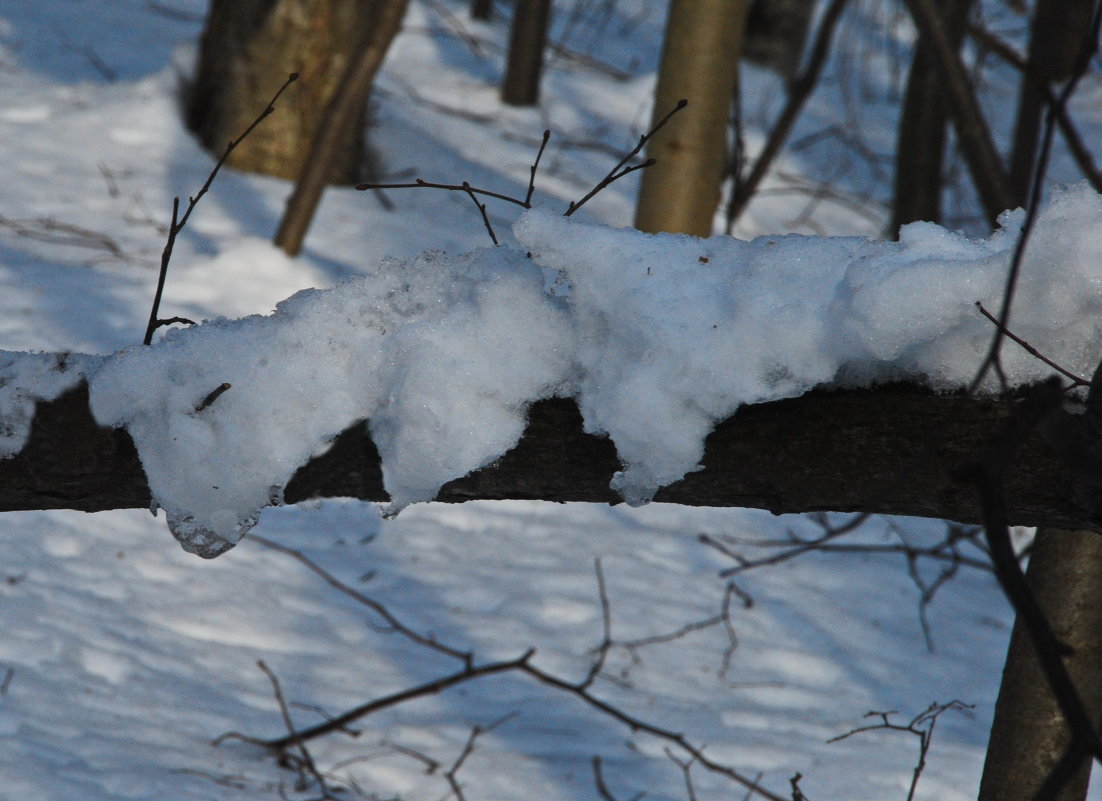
[
  {"x": 224, "y": 413},
  {"x": 657, "y": 336}
]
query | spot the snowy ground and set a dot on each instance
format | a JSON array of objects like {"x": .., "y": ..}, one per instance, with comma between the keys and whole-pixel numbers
[{"x": 122, "y": 657}]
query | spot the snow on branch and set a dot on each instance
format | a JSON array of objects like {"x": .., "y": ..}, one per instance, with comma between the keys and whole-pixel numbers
[{"x": 641, "y": 367}]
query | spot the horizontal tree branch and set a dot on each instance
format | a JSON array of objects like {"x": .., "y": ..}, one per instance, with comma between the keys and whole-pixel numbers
[{"x": 894, "y": 450}]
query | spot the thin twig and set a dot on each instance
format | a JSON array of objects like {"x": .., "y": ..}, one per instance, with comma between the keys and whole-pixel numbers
[
  {"x": 481, "y": 210},
  {"x": 177, "y": 225},
  {"x": 1032, "y": 351},
  {"x": 452, "y": 773},
  {"x": 306, "y": 762},
  {"x": 429, "y": 688},
  {"x": 619, "y": 171},
  {"x": 921, "y": 725},
  {"x": 534, "y": 167},
  {"x": 394, "y": 624}
]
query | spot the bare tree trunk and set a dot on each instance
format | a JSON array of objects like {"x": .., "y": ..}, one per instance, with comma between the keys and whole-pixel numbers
[
  {"x": 343, "y": 118},
  {"x": 775, "y": 34},
  {"x": 681, "y": 191},
  {"x": 920, "y": 148},
  {"x": 1029, "y": 736},
  {"x": 527, "y": 42},
  {"x": 973, "y": 134},
  {"x": 1055, "y": 43},
  {"x": 247, "y": 49}
]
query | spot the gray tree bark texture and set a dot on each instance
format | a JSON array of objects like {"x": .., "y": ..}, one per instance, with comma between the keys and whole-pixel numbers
[
  {"x": 247, "y": 49},
  {"x": 699, "y": 63},
  {"x": 890, "y": 450},
  {"x": 1029, "y": 735}
]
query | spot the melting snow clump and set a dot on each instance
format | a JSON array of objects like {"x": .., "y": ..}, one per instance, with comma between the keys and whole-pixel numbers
[{"x": 658, "y": 337}]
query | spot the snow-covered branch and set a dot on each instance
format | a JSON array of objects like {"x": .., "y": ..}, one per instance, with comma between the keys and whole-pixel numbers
[
  {"x": 891, "y": 450},
  {"x": 586, "y": 364}
]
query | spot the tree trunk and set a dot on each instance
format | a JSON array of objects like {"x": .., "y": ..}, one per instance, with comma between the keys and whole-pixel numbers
[
  {"x": 920, "y": 146},
  {"x": 246, "y": 51},
  {"x": 681, "y": 191},
  {"x": 775, "y": 34},
  {"x": 1056, "y": 40},
  {"x": 1029, "y": 735},
  {"x": 974, "y": 138},
  {"x": 343, "y": 118},
  {"x": 482, "y": 9},
  {"x": 521, "y": 86}
]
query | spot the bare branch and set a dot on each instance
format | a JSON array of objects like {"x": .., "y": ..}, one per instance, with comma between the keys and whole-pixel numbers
[{"x": 619, "y": 171}]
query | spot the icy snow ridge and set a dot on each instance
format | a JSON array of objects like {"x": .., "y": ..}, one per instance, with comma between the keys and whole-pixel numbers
[{"x": 657, "y": 337}]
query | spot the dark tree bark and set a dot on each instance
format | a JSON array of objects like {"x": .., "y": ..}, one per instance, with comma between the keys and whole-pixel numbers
[
  {"x": 920, "y": 148},
  {"x": 247, "y": 49},
  {"x": 976, "y": 144},
  {"x": 893, "y": 450},
  {"x": 527, "y": 42},
  {"x": 700, "y": 54},
  {"x": 1056, "y": 41},
  {"x": 1029, "y": 735},
  {"x": 775, "y": 34},
  {"x": 482, "y": 9}
]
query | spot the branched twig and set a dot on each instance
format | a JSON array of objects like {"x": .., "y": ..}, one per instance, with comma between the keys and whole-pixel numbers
[
  {"x": 178, "y": 223},
  {"x": 921, "y": 725},
  {"x": 620, "y": 170},
  {"x": 472, "y": 192},
  {"x": 686, "y": 772},
  {"x": 470, "y": 671},
  {"x": 606, "y": 629},
  {"x": 946, "y": 551},
  {"x": 452, "y": 773},
  {"x": 481, "y": 210},
  {"x": 304, "y": 762},
  {"x": 429, "y": 688},
  {"x": 721, "y": 618}
]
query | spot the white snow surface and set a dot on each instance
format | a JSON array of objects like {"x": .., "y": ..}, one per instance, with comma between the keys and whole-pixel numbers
[{"x": 658, "y": 337}]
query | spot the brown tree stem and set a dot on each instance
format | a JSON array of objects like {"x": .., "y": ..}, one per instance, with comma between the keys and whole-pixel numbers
[
  {"x": 976, "y": 144},
  {"x": 890, "y": 450}
]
